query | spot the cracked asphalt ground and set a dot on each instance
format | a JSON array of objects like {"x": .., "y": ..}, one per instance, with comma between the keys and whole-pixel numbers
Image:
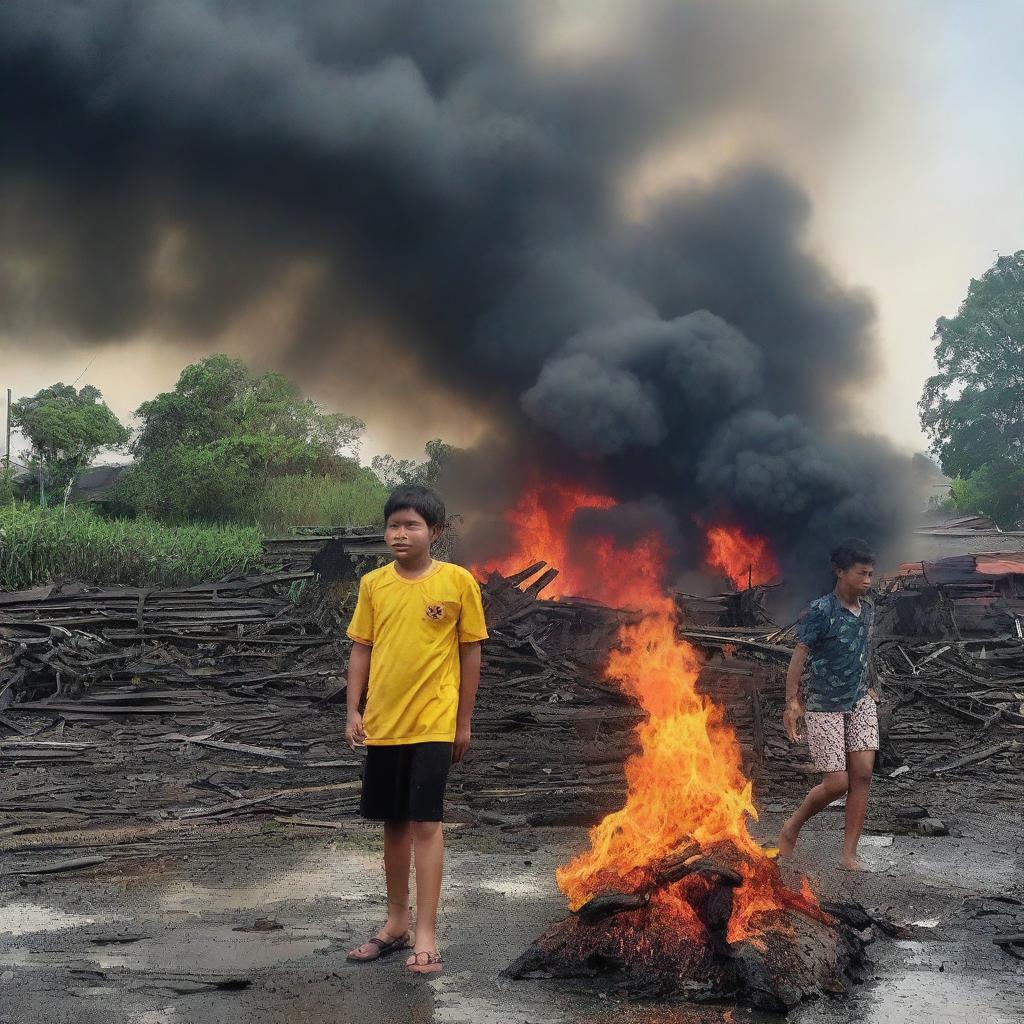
[{"x": 144, "y": 939}]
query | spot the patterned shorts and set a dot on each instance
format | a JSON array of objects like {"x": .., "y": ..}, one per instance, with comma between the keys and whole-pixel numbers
[{"x": 830, "y": 734}]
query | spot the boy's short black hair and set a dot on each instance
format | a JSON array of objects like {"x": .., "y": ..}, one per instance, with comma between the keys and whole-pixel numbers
[
  {"x": 852, "y": 551},
  {"x": 423, "y": 500}
]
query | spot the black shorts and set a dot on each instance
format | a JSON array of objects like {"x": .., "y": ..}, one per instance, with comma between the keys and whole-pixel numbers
[{"x": 405, "y": 782}]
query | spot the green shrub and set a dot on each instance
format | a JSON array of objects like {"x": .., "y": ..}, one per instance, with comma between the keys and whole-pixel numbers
[
  {"x": 995, "y": 489},
  {"x": 7, "y": 487},
  {"x": 181, "y": 487},
  {"x": 288, "y": 501}
]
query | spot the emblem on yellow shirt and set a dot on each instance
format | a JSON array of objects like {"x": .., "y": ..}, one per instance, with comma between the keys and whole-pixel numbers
[{"x": 435, "y": 612}]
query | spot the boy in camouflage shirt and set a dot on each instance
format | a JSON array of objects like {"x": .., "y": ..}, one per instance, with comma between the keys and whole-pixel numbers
[{"x": 839, "y": 707}]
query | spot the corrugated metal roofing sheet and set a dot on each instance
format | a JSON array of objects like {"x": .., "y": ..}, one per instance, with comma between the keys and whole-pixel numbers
[
  {"x": 965, "y": 569},
  {"x": 1001, "y": 565}
]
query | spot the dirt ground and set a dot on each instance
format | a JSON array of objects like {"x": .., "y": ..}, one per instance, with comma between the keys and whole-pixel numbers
[{"x": 143, "y": 939}]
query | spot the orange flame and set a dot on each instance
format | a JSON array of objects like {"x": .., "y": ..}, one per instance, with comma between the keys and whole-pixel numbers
[
  {"x": 687, "y": 782},
  {"x": 745, "y": 560},
  {"x": 540, "y": 525}
]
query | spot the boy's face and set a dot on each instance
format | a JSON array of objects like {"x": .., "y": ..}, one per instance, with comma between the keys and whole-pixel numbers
[
  {"x": 857, "y": 579},
  {"x": 408, "y": 536}
]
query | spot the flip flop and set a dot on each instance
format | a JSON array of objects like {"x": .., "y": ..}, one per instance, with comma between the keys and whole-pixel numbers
[
  {"x": 430, "y": 965},
  {"x": 384, "y": 946}
]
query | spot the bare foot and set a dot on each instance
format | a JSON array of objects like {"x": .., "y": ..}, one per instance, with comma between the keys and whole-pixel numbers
[
  {"x": 787, "y": 840},
  {"x": 854, "y": 864}
]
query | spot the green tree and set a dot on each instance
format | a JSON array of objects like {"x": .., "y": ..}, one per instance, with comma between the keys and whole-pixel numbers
[
  {"x": 218, "y": 399},
  {"x": 206, "y": 448},
  {"x": 438, "y": 454},
  {"x": 66, "y": 430},
  {"x": 995, "y": 490},
  {"x": 396, "y": 472},
  {"x": 973, "y": 408}
]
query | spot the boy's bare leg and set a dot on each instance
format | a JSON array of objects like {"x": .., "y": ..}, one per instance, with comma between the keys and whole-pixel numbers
[
  {"x": 428, "y": 841},
  {"x": 832, "y": 786},
  {"x": 858, "y": 765},
  {"x": 397, "y": 861}
]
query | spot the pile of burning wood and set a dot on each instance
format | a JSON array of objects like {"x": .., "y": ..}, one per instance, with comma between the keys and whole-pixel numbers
[
  {"x": 706, "y": 914},
  {"x": 673, "y": 932}
]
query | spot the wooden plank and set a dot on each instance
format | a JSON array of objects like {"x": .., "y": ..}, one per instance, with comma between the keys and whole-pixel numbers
[
  {"x": 273, "y": 794},
  {"x": 103, "y": 710},
  {"x": 63, "y": 865},
  {"x": 72, "y": 838},
  {"x": 979, "y": 755},
  {"x": 235, "y": 748}
]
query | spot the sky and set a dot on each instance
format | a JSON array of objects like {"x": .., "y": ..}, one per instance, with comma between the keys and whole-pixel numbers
[{"x": 910, "y": 159}]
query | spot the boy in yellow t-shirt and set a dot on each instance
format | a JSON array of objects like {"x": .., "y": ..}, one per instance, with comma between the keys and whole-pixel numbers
[{"x": 416, "y": 635}]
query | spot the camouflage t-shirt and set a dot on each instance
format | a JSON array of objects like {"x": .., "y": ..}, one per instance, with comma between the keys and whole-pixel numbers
[{"x": 838, "y": 660}]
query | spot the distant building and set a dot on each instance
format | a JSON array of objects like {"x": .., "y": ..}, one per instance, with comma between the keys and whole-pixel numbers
[
  {"x": 92, "y": 486},
  {"x": 942, "y": 535}
]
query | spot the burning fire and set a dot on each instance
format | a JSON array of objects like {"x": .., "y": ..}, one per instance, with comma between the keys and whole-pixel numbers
[
  {"x": 745, "y": 560},
  {"x": 542, "y": 526},
  {"x": 687, "y": 783}
]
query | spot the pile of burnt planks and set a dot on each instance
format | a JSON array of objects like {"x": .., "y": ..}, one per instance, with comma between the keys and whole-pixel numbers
[
  {"x": 167, "y": 717},
  {"x": 240, "y": 634},
  {"x": 962, "y": 700}
]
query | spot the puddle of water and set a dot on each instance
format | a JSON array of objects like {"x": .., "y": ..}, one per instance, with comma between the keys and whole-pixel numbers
[
  {"x": 168, "y": 1015},
  {"x": 516, "y": 885},
  {"x": 940, "y": 997},
  {"x": 334, "y": 874},
  {"x": 985, "y": 874},
  {"x": 188, "y": 950},
  {"x": 878, "y": 841},
  {"x": 235, "y": 951},
  {"x": 26, "y": 918},
  {"x": 691, "y": 1013},
  {"x": 453, "y": 1006},
  {"x": 20, "y": 956},
  {"x": 342, "y": 874}
]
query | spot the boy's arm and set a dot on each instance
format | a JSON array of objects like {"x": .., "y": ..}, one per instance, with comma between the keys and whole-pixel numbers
[
  {"x": 469, "y": 681},
  {"x": 794, "y": 709},
  {"x": 358, "y": 677}
]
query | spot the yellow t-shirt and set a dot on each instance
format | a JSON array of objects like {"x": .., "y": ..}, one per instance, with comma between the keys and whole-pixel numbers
[{"x": 415, "y": 627}]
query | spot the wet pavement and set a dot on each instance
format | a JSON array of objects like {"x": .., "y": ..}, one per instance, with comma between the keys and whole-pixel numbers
[{"x": 144, "y": 940}]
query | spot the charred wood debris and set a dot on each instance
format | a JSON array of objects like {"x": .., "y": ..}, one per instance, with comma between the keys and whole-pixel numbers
[{"x": 132, "y": 719}]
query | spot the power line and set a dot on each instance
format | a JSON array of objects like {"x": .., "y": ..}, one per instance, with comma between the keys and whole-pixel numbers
[{"x": 84, "y": 372}]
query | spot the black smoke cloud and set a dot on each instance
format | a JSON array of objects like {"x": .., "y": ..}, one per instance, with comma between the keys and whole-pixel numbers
[
  {"x": 636, "y": 383},
  {"x": 164, "y": 165}
]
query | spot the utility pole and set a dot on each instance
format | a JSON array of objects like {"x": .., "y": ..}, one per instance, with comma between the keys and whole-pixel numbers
[{"x": 7, "y": 450}]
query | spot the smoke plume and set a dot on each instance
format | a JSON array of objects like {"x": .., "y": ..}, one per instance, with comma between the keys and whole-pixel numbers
[{"x": 457, "y": 173}]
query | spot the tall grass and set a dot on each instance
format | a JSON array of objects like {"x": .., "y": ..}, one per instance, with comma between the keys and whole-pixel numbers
[
  {"x": 42, "y": 545},
  {"x": 288, "y": 501}
]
